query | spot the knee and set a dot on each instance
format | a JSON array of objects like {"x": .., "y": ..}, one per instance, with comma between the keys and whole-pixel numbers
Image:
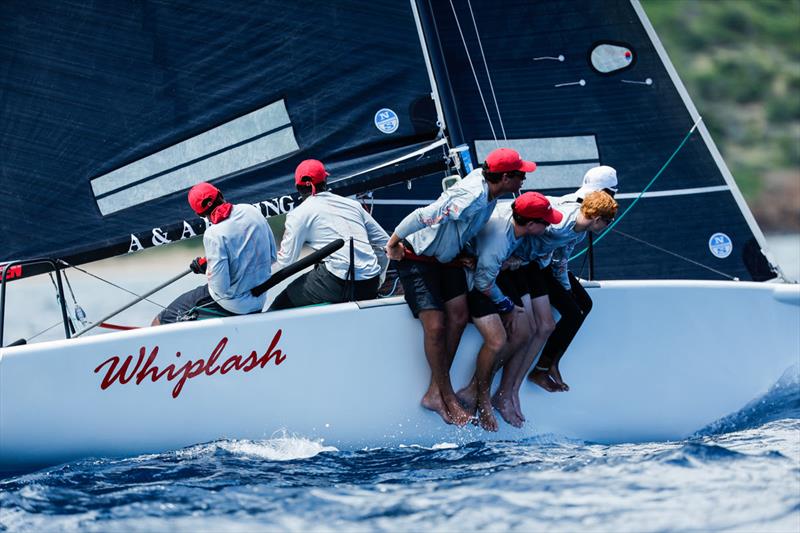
[
  {"x": 587, "y": 307},
  {"x": 495, "y": 341},
  {"x": 459, "y": 317},
  {"x": 434, "y": 328},
  {"x": 546, "y": 327}
]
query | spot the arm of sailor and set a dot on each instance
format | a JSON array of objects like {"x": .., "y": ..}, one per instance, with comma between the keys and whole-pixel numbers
[
  {"x": 294, "y": 236},
  {"x": 559, "y": 265},
  {"x": 486, "y": 271},
  {"x": 451, "y": 205},
  {"x": 218, "y": 271},
  {"x": 378, "y": 238}
]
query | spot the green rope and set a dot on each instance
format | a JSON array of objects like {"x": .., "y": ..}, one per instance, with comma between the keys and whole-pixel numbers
[{"x": 619, "y": 218}]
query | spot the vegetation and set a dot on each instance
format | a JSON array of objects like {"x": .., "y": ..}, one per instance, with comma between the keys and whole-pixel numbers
[{"x": 740, "y": 61}]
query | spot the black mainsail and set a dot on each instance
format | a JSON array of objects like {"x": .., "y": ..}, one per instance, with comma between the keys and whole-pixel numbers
[{"x": 112, "y": 111}]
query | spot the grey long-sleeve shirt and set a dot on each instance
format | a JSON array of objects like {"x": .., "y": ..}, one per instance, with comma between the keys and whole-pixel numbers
[
  {"x": 240, "y": 251},
  {"x": 495, "y": 243},
  {"x": 555, "y": 245},
  {"x": 325, "y": 217},
  {"x": 443, "y": 228}
]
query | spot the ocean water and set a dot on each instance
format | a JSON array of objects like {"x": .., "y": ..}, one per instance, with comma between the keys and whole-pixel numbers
[{"x": 741, "y": 473}]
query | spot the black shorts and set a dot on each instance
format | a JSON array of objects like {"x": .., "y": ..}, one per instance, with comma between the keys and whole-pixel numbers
[
  {"x": 536, "y": 278},
  {"x": 513, "y": 285},
  {"x": 192, "y": 305},
  {"x": 320, "y": 286},
  {"x": 429, "y": 285}
]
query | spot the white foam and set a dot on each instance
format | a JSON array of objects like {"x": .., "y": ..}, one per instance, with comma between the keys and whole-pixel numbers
[{"x": 281, "y": 447}]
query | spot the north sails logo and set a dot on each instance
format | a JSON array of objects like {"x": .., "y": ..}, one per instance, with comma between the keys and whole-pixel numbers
[
  {"x": 124, "y": 370},
  {"x": 251, "y": 140}
]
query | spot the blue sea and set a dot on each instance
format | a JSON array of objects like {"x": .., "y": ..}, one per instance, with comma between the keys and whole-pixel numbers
[{"x": 741, "y": 473}]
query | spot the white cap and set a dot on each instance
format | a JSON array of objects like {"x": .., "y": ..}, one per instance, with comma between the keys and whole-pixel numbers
[{"x": 597, "y": 179}]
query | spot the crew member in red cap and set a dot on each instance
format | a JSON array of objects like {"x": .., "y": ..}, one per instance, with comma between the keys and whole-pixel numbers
[
  {"x": 240, "y": 249},
  {"x": 495, "y": 303},
  {"x": 428, "y": 246},
  {"x": 544, "y": 271},
  {"x": 321, "y": 218}
]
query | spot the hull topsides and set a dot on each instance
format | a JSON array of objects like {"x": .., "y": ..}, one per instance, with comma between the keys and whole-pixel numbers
[{"x": 654, "y": 361}]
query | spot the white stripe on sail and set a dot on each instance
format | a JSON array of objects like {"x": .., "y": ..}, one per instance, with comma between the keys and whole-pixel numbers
[
  {"x": 673, "y": 192},
  {"x": 242, "y": 157},
  {"x": 567, "y": 176},
  {"x": 259, "y": 122},
  {"x": 562, "y": 160},
  {"x": 545, "y": 149},
  {"x": 625, "y": 196}
]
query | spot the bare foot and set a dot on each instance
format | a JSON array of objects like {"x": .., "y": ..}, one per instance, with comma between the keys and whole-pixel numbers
[
  {"x": 555, "y": 375},
  {"x": 505, "y": 406},
  {"x": 458, "y": 414},
  {"x": 542, "y": 378},
  {"x": 486, "y": 417},
  {"x": 516, "y": 404},
  {"x": 469, "y": 397},
  {"x": 433, "y": 401}
]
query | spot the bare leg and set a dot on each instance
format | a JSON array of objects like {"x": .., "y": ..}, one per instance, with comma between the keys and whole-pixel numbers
[
  {"x": 518, "y": 340},
  {"x": 494, "y": 340},
  {"x": 509, "y": 389},
  {"x": 440, "y": 396},
  {"x": 545, "y": 324},
  {"x": 456, "y": 318}
]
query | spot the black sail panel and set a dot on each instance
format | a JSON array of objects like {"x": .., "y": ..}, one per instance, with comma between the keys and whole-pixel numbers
[
  {"x": 581, "y": 83},
  {"x": 112, "y": 110}
]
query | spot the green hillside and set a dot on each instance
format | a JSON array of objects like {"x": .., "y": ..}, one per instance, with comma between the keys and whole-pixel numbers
[{"x": 740, "y": 61}]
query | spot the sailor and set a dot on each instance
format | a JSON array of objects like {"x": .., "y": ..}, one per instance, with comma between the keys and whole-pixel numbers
[
  {"x": 545, "y": 272},
  {"x": 495, "y": 301},
  {"x": 320, "y": 219},
  {"x": 567, "y": 295},
  {"x": 240, "y": 249},
  {"x": 429, "y": 247}
]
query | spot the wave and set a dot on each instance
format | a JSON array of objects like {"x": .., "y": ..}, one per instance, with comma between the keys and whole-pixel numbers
[{"x": 782, "y": 401}]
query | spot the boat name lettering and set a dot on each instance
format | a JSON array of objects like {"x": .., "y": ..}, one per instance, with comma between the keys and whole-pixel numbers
[
  {"x": 14, "y": 271},
  {"x": 276, "y": 206},
  {"x": 125, "y": 370}
]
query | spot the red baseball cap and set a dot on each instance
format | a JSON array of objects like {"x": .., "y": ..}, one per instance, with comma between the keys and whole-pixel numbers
[
  {"x": 313, "y": 169},
  {"x": 536, "y": 205},
  {"x": 508, "y": 160},
  {"x": 201, "y": 197}
]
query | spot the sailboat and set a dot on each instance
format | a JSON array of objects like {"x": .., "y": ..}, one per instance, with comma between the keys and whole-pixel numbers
[{"x": 112, "y": 112}]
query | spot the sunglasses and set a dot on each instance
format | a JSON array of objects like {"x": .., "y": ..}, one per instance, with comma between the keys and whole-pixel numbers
[
  {"x": 607, "y": 220},
  {"x": 540, "y": 221}
]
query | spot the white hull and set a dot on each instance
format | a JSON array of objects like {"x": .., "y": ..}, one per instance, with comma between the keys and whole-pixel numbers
[{"x": 656, "y": 360}]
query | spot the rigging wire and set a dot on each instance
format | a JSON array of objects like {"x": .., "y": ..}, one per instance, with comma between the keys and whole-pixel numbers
[
  {"x": 663, "y": 167},
  {"x": 80, "y": 314},
  {"x": 110, "y": 283},
  {"x": 44, "y": 331},
  {"x": 474, "y": 74},
  {"x": 486, "y": 66},
  {"x": 723, "y": 274}
]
